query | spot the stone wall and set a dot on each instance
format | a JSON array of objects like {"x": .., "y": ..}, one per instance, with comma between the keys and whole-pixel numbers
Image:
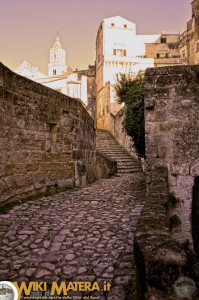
[
  {"x": 43, "y": 133},
  {"x": 104, "y": 167},
  {"x": 160, "y": 260},
  {"x": 121, "y": 135},
  {"x": 172, "y": 131},
  {"x": 113, "y": 124}
]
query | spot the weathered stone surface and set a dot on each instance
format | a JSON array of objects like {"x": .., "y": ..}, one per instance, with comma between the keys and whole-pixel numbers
[
  {"x": 99, "y": 217},
  {"x": 172, "y": 130},
  {"x": 37, "y": 138}
]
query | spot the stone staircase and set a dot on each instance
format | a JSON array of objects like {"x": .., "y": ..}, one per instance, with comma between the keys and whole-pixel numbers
[{"x": 107, "y": 145}]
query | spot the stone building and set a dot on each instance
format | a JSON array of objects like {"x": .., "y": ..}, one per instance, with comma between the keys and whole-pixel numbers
[
  {"x": 72, "y": 83},
  {"x": 189, "y": 39},
  {"x": 120, "y": 50},
  {"x": 165, "y": 50}
]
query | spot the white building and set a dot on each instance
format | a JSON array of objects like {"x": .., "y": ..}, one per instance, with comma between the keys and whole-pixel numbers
[
  {"x": 118, "y": 50},
  {"x": 70, "y": 83}
]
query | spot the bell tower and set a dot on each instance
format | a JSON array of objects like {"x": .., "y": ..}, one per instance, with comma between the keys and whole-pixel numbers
[{"x": 57, "y": 65}]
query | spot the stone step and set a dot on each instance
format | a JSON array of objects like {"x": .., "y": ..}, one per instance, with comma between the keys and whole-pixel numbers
[
  {"x": 132, "y": 166},
  {"x": 114, "y": 153},
  {"x": 127, "y": 169},
  {"x": 107, "y": 145}
]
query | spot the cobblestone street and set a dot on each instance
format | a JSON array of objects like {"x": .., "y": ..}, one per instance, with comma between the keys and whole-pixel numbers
[{"x": 80, "y": 235}]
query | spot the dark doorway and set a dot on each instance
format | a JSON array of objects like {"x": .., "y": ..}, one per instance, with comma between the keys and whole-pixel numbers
[{"x": 195, "y": 215}]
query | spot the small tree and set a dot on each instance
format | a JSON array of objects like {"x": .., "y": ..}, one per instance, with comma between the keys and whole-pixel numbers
[{"x": 130, "y": 91}]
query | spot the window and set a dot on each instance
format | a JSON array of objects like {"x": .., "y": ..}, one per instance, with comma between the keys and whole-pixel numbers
[
  {"x": 163, "y": 40},
  {"x": 173, "y": 45},
  {"x": 197, "y": 47},
  {"x": 112, "y": 24},
  {"x": 54, "y": 72},
  {"x": 119, "y": 52},
  {"x": 162, "y": 55},
  {"x": 53, "y": 137},
  {"x": 125, "y": 26}
]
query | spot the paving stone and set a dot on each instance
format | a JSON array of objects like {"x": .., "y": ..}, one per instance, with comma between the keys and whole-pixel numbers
[
  {"x": 82, "y": 270},
  {"x": 69, "y": 270},
  {"x": 48, "y": 266},
  {"x": 69, "y": 257},
  {"x": 124, "y": 280},
  {"x": 30, "y": 271},
  {"x": 79, "y": 235},
  {"x": 42, "y": 273}
]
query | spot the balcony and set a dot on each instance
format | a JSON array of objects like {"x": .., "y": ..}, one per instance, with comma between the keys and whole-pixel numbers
[{"x": 169, "y": 61}]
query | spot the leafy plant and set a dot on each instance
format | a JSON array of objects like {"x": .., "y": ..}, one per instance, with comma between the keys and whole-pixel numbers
[{"x": 130, "y": 91}]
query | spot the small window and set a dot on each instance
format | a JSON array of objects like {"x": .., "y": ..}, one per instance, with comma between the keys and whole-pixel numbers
[
  {"x": 119, "y": 52},
  {"x": 162, "y": 55},
  {"x": 112, "y": 24},
  {"x": 53, "y": 137},
  {"x": 54, "y": 72},
  {"x": 125, "y": 26},
  {"x": 163, "y": 40},
  {"x": 197, "y": 47}
]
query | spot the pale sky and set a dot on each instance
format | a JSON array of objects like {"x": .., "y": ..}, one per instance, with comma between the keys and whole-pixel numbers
[{"x": 28, "y": 28}]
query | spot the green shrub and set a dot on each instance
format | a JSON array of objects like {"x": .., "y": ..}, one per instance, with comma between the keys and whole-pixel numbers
[{"x": 130, "y": 91}]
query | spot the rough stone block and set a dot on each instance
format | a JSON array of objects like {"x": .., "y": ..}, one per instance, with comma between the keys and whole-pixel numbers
[
  {"x": 161, "y": 151},
  {"x": 186, "y": 103},
  {"x": 149, "y": 103}
]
